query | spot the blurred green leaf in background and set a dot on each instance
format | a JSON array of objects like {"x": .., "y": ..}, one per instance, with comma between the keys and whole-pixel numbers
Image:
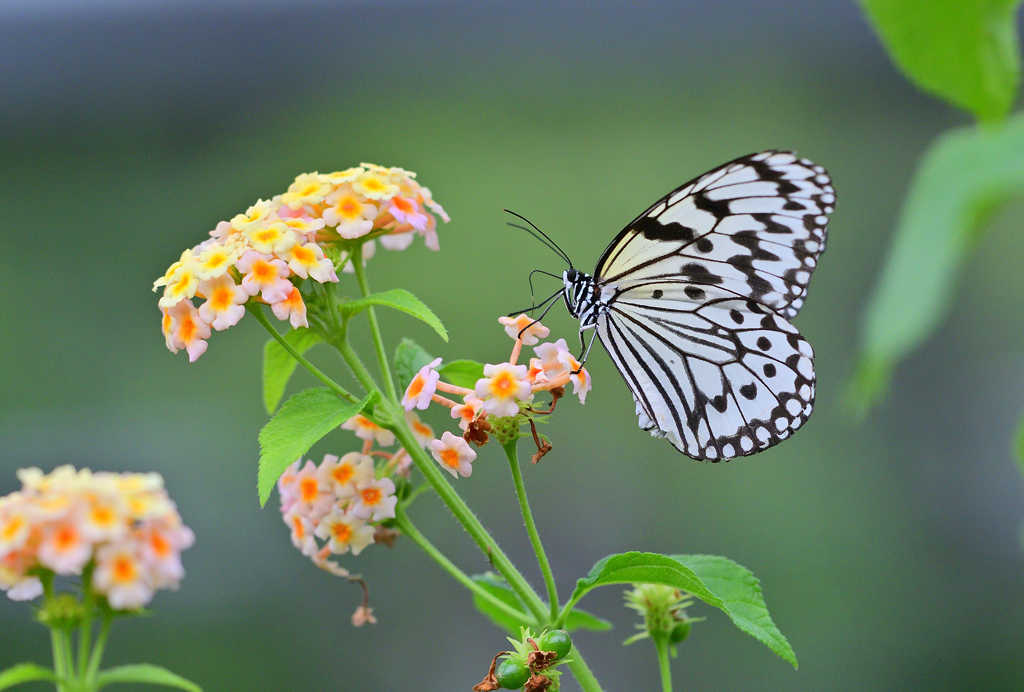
[
  {"x": 962, "y": 50},
  {"x": 964, "y": 177}
]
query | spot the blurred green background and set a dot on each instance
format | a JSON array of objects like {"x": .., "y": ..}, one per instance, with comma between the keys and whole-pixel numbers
[{"x": 889, "y": 553}]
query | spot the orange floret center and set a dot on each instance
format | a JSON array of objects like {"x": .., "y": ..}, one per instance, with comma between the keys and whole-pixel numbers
[
  {"x": 343, "y": 473},
  {"x": 103, "y": 516},
  {"x": 222, "y": 298},
  {"x": 450, "y": 458},
  {"x": 342, "y": 532},
  {"x": 402, "y": 204},
  {"x": 188, "y": 328},
  {"x": 124, "y": 569},
  {"x": 13, "y": 527},
  {"x": 160, "y": 545},
  {"x": 309, "y": 489},
  {"x": 416, "y": 386},
  {"x": 371, "y": 496},
  {"x": 65, "y": 538}
]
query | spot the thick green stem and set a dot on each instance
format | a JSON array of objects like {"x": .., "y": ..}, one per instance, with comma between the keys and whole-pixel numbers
[
  {"x": 85, "y": 629},
  {"x": 59, "y": 659},
  {"x": 378, "y": 342},
  {"x": 465, "y": 516},
  {"x": 581, "y": 671},
  {"x": 358, "y": 369},
  {"x": 257, "y": 312},
  {"x": 531, "y": 527},
  {"x": 403, "y": 522},
  {"x": 661, "y": 644}
]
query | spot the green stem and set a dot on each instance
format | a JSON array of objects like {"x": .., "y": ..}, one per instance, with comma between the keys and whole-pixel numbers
[
  {"x": 352, "y": 358},
  {"x": 531, "y": 527},
  {"x": 403, "y": 522},
  {"x": 378, "y": 342},
  {"x": 465, "y": 516},
  {"x": 582, "y": 672},
  {"x": 661, "y": 644},
  {"x": 59, "y": 660},
  {"x": 69, "y": 659},
  {"x": 257, "y": 312},
  {"x": 85, "y": 629},
  {"x": 97, "y": 652}
]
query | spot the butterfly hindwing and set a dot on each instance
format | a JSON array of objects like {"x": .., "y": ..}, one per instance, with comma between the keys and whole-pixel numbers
[
  {"x": 722, "y": 379},
  {"x": 696, "y": 295},
  {"x": 754, "y": 228}
]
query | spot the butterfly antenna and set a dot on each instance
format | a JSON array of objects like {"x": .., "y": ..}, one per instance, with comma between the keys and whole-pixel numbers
[{"x": 551, "y": 244}]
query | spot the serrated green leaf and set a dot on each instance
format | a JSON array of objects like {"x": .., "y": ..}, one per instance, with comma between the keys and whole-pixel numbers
[
  {"x": 278, "y": 364},
  {"x": 301, "y": 422},
  {"x": 965, "y": 175},
  {"x": 25, "y": 672},
  {"x": 498, "y": 587},
  {"x": 717, "y": 581},
  {"x": 145, "y": 673},
  {"x": 399, "y": 299},
  {"x": 409, "y": 358},
  {"x": 740, "y": 593},
  {"x": 964, "y": 51},
  {"x": 462, "y": 373}
]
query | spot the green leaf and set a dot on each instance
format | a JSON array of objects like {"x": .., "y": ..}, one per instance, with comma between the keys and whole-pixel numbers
[
  {"x": 963, "y": 51},
  {"x": 301, "y": 422},
  {"x": 717, "y": 581},
  {"x": 25, "y": 672},
  {"x": 965, "y": 175},
  {"x": 409, "y": 358},
  {"x": 399, "y": 299},
  {"x": 462, "y": 373},
  {"x": 498, "y": 587},
  {"x": 278, "y": 364},
  {"x": 740, "y": 593},
  {"x": 145, "y": 673},
  {"x": 582, "y": 620}
]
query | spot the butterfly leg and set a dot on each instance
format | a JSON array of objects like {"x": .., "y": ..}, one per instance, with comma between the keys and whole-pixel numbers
[{"x": 585, "y": 352}]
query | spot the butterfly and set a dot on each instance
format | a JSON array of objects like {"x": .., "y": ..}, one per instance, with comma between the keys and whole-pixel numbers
[{"x": 693, "y": 301}]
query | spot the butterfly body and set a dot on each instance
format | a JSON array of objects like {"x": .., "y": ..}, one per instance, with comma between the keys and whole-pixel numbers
[{"x": 692, "y": 301}]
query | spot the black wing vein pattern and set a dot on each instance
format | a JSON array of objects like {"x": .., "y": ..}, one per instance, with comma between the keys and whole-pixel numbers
[{"x": 698, "y": 293}]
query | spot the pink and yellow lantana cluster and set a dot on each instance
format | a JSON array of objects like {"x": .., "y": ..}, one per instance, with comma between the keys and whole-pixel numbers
[
  {"x": 123, "y": 525},
  {"x": 343, "y": 501},
  {"x": 263, "y": 254},
  {"x": 499, "y": 392}
]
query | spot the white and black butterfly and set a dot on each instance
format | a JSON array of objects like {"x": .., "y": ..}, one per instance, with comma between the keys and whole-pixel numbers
[{"x": 692, "y": 300}]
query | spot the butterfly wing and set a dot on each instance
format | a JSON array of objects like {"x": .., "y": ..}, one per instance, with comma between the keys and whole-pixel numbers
[
  {"x": 699, "y": 290},
  {"x": 753, "y": 227},
  {"x": 720, "y": 378}
]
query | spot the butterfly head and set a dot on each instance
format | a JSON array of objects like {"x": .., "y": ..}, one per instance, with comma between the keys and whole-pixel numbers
[{"x": 578, "y": 291}]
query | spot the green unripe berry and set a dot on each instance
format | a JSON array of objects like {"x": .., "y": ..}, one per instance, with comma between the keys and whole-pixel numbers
[
  {"x": 679, "y": 632},
  {"x": 512, "y": 675},
  {"x": 557, "y": 641}
]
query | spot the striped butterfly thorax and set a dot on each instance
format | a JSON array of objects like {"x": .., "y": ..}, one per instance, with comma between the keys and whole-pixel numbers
[{"x": 693, "y": 299}]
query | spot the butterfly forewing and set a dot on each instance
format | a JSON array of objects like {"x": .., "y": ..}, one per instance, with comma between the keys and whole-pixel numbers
[
  {"x": 754, "y": 228},
  {"x": 697, "y": 294}
]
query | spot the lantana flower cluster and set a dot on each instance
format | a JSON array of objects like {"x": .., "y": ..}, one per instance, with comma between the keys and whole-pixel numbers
[
  {"x": 266, "y": 253},
  {"x": 505, "y": 391},
  {"x": 344, "y": 504},
  {"x": 121, "y": 529}
]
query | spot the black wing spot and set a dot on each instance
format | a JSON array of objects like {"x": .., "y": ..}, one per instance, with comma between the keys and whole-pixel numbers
[
  {"x": 768, "y": 322},
  {"x": 763, "y": 343},
  {"x": 769, "y": 370},
  {"x": 792, "y": 205},
  {"x": 704, "y": 245},
  {"x": 736, "y": 316},
  {"x": 694, "y": 292},
  {"x": 699, "y": 274},
  {"x": 658, "y": 293},
  {"x": 652, "y": 229},
  {"x": 720, "y": 403},
  {"x": 749, "y": 391}
]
